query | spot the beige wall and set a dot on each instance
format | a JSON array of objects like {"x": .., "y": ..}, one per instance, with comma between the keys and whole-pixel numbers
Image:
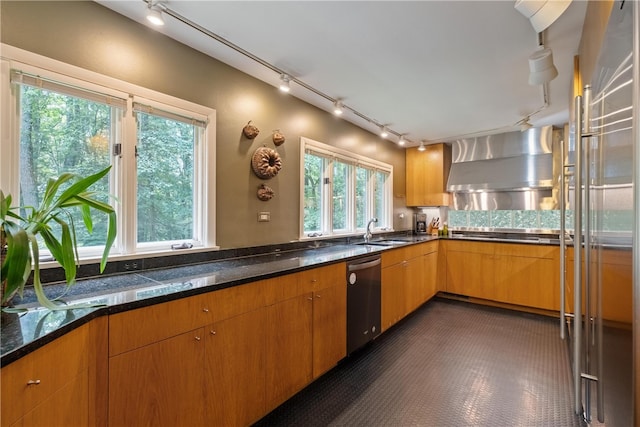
[{"x": 87, "y": 35}]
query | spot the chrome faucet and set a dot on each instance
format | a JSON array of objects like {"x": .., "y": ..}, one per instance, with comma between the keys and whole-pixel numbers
[{"x": 367, "y": 235}]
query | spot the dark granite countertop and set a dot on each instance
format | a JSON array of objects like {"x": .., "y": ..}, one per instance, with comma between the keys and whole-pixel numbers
[{"x": 24, "y": 332}]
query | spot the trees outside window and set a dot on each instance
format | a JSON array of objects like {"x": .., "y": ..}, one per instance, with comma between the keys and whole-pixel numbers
[
  {"x": 342, "y": 191},
  {"x": 159, "y": 151}
]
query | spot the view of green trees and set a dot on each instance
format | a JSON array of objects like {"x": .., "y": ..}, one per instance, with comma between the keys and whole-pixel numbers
[
  {"x": 165, "y": 179},
  {"x": 62, "y": 133},
  {"x": 367, "y": 180}
]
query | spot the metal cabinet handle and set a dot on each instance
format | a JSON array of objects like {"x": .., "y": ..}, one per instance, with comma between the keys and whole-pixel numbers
[
  {"x": 197, "y": 338},
  {"x": 33, "y": 382},
  {"x": 212, "y": 332},
  {"x": 206, "y": 310}
]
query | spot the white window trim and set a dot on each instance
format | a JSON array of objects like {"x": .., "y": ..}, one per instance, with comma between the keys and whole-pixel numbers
[
  {"x": 15, "y": 58},
  {"x": 322, "y": 149}
]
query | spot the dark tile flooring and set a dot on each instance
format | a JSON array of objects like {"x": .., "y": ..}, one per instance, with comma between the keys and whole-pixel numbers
[{"x": 448, "y": 364}]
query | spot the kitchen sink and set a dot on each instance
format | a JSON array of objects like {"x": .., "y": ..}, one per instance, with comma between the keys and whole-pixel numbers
[{"x": 384, "y": 242}]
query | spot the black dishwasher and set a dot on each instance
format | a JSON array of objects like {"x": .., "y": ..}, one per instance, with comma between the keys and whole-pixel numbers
[{"x": 363, "y": 302}]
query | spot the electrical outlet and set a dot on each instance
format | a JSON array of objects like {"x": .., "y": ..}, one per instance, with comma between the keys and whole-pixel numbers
[
  {"x": 132, "y": 265},
  {"x": 264, "y": 216}
]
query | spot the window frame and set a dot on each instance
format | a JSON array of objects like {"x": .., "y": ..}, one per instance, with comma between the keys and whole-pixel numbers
[
  {"x": 330, "y": 153},
  {"x": 124, "y": 166}
]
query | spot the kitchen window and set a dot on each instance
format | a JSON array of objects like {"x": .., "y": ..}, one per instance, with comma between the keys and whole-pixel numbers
[
  {"x": 341, "y": 191},
  {"x": 159, "y": 148}
]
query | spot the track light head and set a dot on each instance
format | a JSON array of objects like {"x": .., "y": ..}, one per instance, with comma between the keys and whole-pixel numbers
[
  {"x": 338, "y": 108},
  {"x": 284, "y": 83},
  {"x": 384, "y": 132},
  {"x": 421, "y": 147},
  {"x": 154, "y": 13},
  {"x": 401, "y": 141}
]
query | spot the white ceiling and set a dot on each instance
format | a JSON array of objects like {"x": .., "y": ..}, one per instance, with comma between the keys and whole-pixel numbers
[{"x": 434, "y": 70}]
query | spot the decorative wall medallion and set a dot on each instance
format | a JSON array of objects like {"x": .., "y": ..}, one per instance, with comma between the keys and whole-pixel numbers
[
  {"x": 266, "y": 163},
  {"x": 265, "y": 193},
  {"x": 250, "y": 131},
  {"x": 278, "y": 137}
]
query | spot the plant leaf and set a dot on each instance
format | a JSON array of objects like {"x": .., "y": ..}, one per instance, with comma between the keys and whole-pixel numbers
[
  {"x": 17, "y": 264},
  {"x": 111, "y": 237}
]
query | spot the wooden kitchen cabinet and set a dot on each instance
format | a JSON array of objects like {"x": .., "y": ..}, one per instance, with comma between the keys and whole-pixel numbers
[
  {"x": 392, "y": 294},
  {"x": 426, "y": 175},
  {"x": 329, "y": 327},
  {"x": 617, "y": 282},
  {"x": 289, "y": 348},
  {"x": 58, "y": 383},
  {"x": 470, "y": 269},
  {"x": 161, "y": 384},
  {"x": 520, "y": 274},
  {"x": 406, "y": 281},
  {"x": 235, "y": 369},
  {"x": 527, "y": 275}
]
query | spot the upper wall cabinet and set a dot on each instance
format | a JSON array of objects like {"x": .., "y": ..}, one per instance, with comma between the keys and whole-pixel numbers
[{"x": 427, "y": 173}]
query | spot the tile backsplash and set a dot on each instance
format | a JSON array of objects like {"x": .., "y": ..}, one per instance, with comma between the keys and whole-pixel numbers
[{"x": 611, "y": 220}]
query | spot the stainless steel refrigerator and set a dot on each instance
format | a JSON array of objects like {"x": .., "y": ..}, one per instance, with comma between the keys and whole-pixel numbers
[{"x": 602, "y": 165}]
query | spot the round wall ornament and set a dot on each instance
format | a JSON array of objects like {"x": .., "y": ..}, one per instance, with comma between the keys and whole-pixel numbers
[{"x": 266, "y": 163}]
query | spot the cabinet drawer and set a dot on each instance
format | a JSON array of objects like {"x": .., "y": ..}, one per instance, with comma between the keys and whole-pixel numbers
[
  {"x": 136, "y": 328},
  {"x": 471, "y": 247},
  {"x": 396, "y": 256},
  {"x": 527, "y": 250},
  {"x": 31, "y": 380},
  {"x": 321, "y": 278},
  {"x": 429, "y": 247}
]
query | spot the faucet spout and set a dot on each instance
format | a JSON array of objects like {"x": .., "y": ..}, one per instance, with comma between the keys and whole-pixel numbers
[{"x": 368, "y": 234}]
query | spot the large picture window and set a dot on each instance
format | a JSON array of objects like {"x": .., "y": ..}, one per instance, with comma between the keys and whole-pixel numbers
[
  {"x": 341, "y": 191},
  {"x": 159, "y": 152}
]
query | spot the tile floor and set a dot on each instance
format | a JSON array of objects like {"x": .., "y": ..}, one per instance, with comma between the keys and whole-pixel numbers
[{"x": 448, "y": 364}]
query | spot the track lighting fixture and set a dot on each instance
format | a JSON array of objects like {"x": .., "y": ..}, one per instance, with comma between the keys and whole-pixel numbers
[
  {"x": 525, "y": 124},
  {"x": 541, "y": 67},
  {"x": 284, "y": 83},
  {"x": 542, "y": 13},
  {"x": 154, "y": 13},
  {"x": 338, "y": 108},
  {"x": 421, "y": 147}
]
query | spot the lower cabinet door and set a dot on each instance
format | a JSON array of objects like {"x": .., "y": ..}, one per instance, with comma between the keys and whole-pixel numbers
[
  {"x": 289, "y": 348},
  {"x": 68, "y": 406},
  {"x": 235, "y": 367},
  {"x": 329, "y": 328},
  {"x": 161, "y": 384}
]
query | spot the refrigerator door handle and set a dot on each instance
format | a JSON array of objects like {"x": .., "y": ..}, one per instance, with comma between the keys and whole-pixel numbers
[{"x": 577, "y": 265}]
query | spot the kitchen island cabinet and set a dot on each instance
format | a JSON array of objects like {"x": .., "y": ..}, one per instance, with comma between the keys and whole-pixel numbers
[{"x": 426, "y": 175}]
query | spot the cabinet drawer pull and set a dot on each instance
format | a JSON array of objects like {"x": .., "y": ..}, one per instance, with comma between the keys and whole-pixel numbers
[
  {"x": 206, "y": 310},
  {"x": 310, "y": 298},
  {"x": 318, "y": 296},
  {"x": 33, "y": 382},
  {"x": 212, "y": 332},
  {"x": 197, "y": 338}
]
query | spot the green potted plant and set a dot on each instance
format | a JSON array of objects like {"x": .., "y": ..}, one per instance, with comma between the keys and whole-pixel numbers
[{"x": 20, "y": 231}]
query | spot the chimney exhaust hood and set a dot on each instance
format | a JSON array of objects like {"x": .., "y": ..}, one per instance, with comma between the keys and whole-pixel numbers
[{"x": 512, "y": 170}]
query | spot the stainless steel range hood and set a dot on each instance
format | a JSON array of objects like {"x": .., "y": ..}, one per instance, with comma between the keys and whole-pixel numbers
[{"x": 512, "y": 170}]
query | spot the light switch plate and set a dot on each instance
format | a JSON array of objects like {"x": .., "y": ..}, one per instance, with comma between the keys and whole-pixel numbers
[{"x": 264, "y": 216}]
